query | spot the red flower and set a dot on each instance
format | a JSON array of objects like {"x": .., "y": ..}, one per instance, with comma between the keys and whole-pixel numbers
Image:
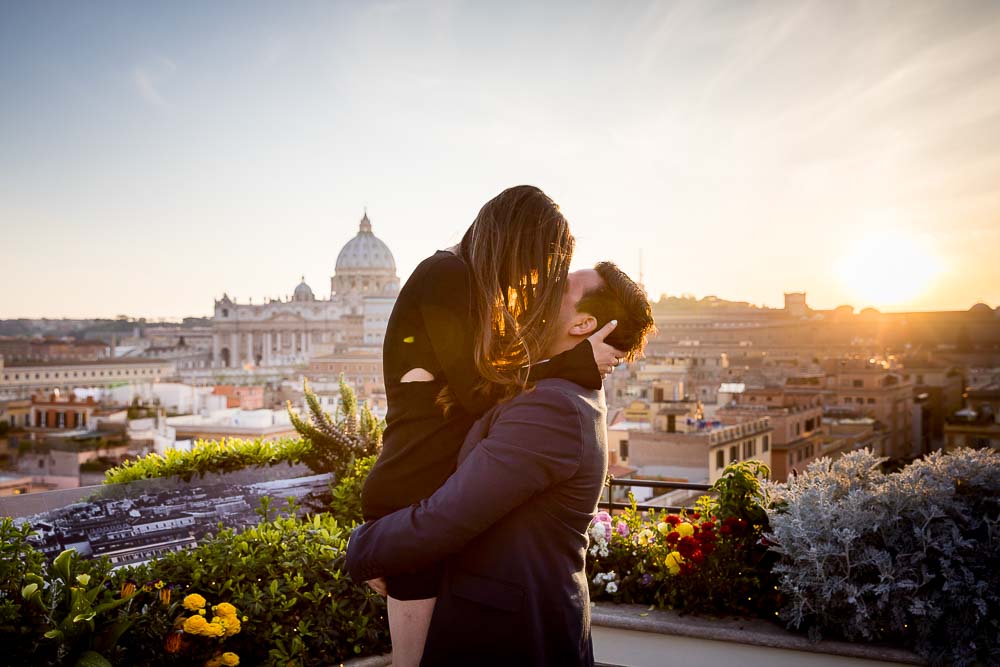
[
  {"x": 687, "y": 546},
  {"x": 672, "y": 537},
  {"x": 698, "y": 556},
  {"x": 708, "y": 525},
  {"x": 725, "y": 529},
  {"x": 707, "y": 548},
  {"x": 672, "y": 519},
  {"x": 695, "y": 515}
]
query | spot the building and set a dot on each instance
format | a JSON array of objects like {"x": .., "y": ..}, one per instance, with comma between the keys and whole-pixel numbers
[
  {"x": 680, "y": 439},
  {"x": 798, "y": 433},
  {"x": 866, "y": 387},
  {"x": 360, "y": 367},
  {"x": 61, "y": 412},
  {"x": 234, "y": 423},
  {"x": 22, "y": 379},
  {"x": 249, "y": 397},
  {"x": 25, "y": 349},
  {"x": 978, "y": 425},
  {"x": 289, "y": 332}
]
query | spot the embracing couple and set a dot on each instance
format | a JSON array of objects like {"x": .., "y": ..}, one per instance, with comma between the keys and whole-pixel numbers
[{"x": 495, "y": 454}]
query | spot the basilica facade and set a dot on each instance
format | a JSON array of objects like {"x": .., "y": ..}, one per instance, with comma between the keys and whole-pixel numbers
[{"x": 290, "y": 332}]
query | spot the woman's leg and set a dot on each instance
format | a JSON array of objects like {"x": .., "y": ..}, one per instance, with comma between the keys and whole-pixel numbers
[{"x": 408, "y": 623}]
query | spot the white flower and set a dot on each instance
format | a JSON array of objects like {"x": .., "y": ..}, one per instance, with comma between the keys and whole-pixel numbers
[
  {"x": 598, "y": 532},
  {"x": 593, "y": 550},
  {"x": 603, "y": 552},
  {"x": 612, "y": 587}
]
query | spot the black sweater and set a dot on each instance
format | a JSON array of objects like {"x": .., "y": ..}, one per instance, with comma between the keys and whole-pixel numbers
[{"x": 431, "y": 327}]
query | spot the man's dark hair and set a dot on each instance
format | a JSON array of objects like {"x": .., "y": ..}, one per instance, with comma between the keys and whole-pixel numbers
[{"x": 620, "y": 298}]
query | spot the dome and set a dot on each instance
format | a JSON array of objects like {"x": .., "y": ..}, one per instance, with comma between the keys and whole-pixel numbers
[
  {"x": 303, "y": 292},
  {"x": 366, "y": 253}
]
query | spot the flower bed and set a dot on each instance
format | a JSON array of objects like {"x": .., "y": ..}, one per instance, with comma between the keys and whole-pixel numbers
[{"x": 714, "y": 559}]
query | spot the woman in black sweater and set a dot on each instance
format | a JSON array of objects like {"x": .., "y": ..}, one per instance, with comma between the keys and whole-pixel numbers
[{"x": 464, "y": 333}]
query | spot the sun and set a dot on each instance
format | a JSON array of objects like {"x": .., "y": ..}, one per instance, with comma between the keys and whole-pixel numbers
[{"x": 886, "y": 269}]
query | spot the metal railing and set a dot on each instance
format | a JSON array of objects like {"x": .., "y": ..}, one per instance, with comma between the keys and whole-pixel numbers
[{"x": 611, "y": 504}]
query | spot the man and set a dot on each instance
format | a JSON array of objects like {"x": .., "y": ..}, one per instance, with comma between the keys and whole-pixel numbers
[{"x": 512, "y": 521}]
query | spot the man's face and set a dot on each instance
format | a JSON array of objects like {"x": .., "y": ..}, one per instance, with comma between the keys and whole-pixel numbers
[{"x": 578, "y": 283}]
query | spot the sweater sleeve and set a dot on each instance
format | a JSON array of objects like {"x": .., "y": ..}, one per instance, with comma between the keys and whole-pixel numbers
[
  {"x": 446, "y": 309},
  {"x": 536, "y": 444},
  {"x": 576, "y": 365}
]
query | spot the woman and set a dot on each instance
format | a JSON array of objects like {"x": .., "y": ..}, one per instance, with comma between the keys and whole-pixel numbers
[{"x": 464, "y": 333}]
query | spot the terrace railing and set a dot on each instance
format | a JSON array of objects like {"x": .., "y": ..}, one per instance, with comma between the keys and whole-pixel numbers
[{"x": 610, "y": 504}]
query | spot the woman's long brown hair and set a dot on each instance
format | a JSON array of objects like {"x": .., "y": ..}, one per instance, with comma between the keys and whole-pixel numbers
[{"x": 518, "y": 251}]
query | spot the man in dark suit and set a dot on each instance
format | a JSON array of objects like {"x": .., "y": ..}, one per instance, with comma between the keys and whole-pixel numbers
[{"x": 511, "y": 522}]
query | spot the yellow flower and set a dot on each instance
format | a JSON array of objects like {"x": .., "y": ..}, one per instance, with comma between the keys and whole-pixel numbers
[
  {"x": 685, "y": 529},
  {"x": 195, "y": 625},
  {"x": 232, "y": 626},
  {"x": 230, "y": 659},
  {"x": 673, "y": 562},
  {"x": 213, "y": 630},
  {"x": 201, "y": 612},
  {"x": 193, "y": 602},
  {"x": 225, "y": 609},
  {"x": 664, "y": 527}
]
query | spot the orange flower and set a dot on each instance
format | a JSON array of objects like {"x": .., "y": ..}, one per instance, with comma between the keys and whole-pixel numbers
[
  {"x": 174, "y": 642},
  {"x": 128, "y": 588},
  {"x": 165, "y": 595}
]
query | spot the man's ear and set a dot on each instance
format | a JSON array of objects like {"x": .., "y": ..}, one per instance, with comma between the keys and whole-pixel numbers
[{"x": 584, "y": 324}]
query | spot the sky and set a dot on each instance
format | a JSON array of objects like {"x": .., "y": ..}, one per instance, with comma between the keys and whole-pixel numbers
[{"x": 154, "y": 156}]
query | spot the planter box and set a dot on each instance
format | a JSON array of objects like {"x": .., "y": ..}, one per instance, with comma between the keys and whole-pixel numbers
[{"x": 634, "y": 636}]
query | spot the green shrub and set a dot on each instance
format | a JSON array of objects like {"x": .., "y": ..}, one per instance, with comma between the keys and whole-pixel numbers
[
  {"x": 285, "y": 576},
  {"x": 345, "y": 502},
  {"x": 210, "y": 456},
  {"x": 709, "y": 560},
  {"x": 67, "y": 612},
  {"x": 19, "y": 621},
  {"x": 912, "y": 557}
]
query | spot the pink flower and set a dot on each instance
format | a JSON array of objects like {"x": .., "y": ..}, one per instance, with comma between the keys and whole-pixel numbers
[
  {"x": 622, "y": 528},
  {"x": 602, "y": 517}
]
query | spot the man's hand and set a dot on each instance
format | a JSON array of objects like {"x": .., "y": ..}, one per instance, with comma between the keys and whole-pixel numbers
[
  {"x": 378, "y": 585},
  {"x": 607, "y": 357}
]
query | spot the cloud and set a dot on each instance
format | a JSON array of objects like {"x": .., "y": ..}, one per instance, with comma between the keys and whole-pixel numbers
[{"x": 148, "y": 76}]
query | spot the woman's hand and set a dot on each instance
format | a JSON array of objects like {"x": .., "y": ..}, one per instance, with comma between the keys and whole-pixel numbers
[
  {"x": 607, "y": 357},
  {"x": 379, "y": 586}
]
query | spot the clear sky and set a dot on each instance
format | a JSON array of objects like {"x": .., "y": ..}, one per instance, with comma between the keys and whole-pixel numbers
[{"x": 156, "y": 155}]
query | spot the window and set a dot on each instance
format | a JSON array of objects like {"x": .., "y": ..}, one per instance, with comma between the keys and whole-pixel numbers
[
  {"x": 871, "y": 401},
  {"x": 859, "y": 400},
  {"x": 732, "y": 454},
  {"x": 798, "y": 428},
  {"x": 623, "y": 448},
  {"x": 767, "y": 443},
  {"x": 920, "y": 379},
  {"x": 859, "y": 383},
  {"x": 720, "y": 459}
]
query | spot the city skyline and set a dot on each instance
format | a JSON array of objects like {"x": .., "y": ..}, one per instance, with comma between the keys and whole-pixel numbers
[{"x": 157, "y": 157}]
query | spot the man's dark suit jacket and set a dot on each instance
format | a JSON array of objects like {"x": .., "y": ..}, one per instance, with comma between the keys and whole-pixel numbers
[{"x": 512, "y": 523}]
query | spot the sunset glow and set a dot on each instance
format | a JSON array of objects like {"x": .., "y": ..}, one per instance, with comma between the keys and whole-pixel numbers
[{"x": 888, "y": 270}]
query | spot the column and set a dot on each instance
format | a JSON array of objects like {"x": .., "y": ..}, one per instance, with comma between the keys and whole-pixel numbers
[
  {"x": 267, "y": 349},
  {"x": 216, "y": 350},
  {"x": 234, "y": 349},
  {"x": 250, "y": 358},
  {"x": 277, "y": 347}
]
